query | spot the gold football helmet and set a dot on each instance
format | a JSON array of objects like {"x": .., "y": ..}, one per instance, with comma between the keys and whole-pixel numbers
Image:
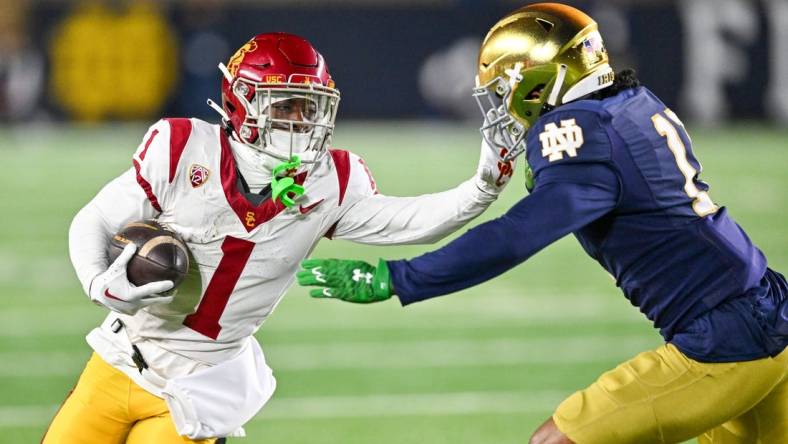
[{"x": 534, "y": 59}]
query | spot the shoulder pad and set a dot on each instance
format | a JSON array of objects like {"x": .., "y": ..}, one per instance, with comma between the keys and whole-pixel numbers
[
  {"x": 354, "y": 176},
  {"x": 156, "y": 158}
]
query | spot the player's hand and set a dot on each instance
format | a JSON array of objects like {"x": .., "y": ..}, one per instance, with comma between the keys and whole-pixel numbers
[
  {"x": 348, "y": 280},
  {"x": 113, "y": 290},
  {"x": 493, "y": 172}
]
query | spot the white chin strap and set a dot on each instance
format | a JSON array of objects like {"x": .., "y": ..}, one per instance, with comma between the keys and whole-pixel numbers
[
  {"x": 559, "y": 82},
  {"x": 225, "y": 72},
  {"x": 599, "y": 79},
  {"x": 219, "y": 110}
]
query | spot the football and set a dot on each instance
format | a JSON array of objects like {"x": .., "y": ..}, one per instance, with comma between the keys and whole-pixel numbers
[{"x": 161, "y": 254}]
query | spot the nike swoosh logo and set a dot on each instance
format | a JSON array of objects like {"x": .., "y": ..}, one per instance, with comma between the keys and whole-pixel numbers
[
  {"x": 309, "y": 208},
  {"x": 109, "y": 295}
]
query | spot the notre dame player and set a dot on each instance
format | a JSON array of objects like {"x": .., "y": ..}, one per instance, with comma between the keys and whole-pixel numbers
[{"x": 613, "y": 165}]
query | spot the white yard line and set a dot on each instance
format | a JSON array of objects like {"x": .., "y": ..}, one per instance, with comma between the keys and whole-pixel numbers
[
  {"x": 508, "y": 309},
  {"x": 26, "y": 415},
  {"x": 47, "y": 320},
  {"x": 436, "y": 404},
  {"x": 386, "y": 354},
  {"x": 421, "y": 404},
  {"x": 459, "y": 352}
]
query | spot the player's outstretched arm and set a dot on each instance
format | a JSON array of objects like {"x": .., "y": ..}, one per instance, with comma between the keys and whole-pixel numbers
[
  {"x": 389, "y": 220},
  {"x": 553, "y": 210}
]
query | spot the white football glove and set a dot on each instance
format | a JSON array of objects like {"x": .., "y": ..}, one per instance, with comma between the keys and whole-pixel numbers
[
  {"x": 493, "y": 173},
  {"x": 113, "y": 290}
]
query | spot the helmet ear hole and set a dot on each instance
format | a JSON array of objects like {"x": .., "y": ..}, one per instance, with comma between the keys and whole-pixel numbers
[
  {"x": 536, "y": 92},
  {"x": 229, "y": 106}
]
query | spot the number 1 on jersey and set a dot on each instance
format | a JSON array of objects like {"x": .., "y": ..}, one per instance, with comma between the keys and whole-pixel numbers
[
  {"x": 701, "y": 202},
  {"x": 205, "y": 320}
]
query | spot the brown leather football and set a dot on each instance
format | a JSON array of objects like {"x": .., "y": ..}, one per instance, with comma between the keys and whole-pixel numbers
[{"x": 161, "y": 254}]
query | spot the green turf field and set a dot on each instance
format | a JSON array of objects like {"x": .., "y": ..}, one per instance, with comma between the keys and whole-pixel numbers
[{"x": 483, "y": 366}]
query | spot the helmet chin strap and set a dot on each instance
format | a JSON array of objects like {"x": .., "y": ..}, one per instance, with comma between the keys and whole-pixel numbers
[
  {"x": 214, "y": 105},
  {"x": 225, "y": 72},
  {"x": 552, "y": 99},
  {"x": 219, "y": 110}
]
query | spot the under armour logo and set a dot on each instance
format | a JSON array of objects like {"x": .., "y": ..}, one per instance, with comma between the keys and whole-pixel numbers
[
  {"x": 358, "y": 275},
  {"x": 318, "y": 275},
  {"x": 557, "y": 141}
]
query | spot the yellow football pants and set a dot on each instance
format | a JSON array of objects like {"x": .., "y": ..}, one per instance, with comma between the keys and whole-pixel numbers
[
  {"x": 107, "y": 407},
  {"x": 662, "y": 396}
]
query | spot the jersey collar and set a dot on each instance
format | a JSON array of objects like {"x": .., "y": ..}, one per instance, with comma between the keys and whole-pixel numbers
[{"x": 251, "y": 216}]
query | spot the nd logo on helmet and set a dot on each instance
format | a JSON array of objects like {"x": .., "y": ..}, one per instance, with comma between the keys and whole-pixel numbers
[{"x": 238, "y": 57}]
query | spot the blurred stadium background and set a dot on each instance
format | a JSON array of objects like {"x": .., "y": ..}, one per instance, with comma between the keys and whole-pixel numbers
[{"x": 80, "y": 82}]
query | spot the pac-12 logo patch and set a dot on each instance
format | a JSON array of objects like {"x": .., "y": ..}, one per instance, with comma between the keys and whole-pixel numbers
[
  {"x": 556, "y": 141},
  {"x": 198, "y": 175}
]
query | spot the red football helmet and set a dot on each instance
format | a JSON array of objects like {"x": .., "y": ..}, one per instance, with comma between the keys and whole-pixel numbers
[{"x": 278, "y": 97}]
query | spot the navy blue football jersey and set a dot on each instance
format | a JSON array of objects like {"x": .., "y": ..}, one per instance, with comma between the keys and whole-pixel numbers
[
  {"x": 620, "y": 175},
  {"x": 672, "y": 251}
]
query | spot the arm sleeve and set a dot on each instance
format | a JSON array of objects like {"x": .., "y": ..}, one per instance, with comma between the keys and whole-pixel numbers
[
  {"x": 119, "y": 202},
  {"x": 566, "y": 198},
  {"x": 386, "y": 220},
  {"x": 154, "y": 162},
  {"x": 139, "y": 193}
]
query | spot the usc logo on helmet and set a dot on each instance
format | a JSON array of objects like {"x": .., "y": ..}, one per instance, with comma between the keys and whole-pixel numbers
[
  {"x": 238, "y": 57},
  {"x": 274, "y": 78}
]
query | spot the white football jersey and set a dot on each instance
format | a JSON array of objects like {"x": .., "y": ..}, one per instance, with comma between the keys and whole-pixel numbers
[{"x": 243, "y": 255}]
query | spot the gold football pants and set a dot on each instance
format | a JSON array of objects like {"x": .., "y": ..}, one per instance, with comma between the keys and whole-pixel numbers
[
  {"x": 107, "y": 407},
  {"x": 662, "y": 396}
]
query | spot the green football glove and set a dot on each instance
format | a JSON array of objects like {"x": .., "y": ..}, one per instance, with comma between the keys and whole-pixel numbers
[{"x": 348, "y": 280}]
